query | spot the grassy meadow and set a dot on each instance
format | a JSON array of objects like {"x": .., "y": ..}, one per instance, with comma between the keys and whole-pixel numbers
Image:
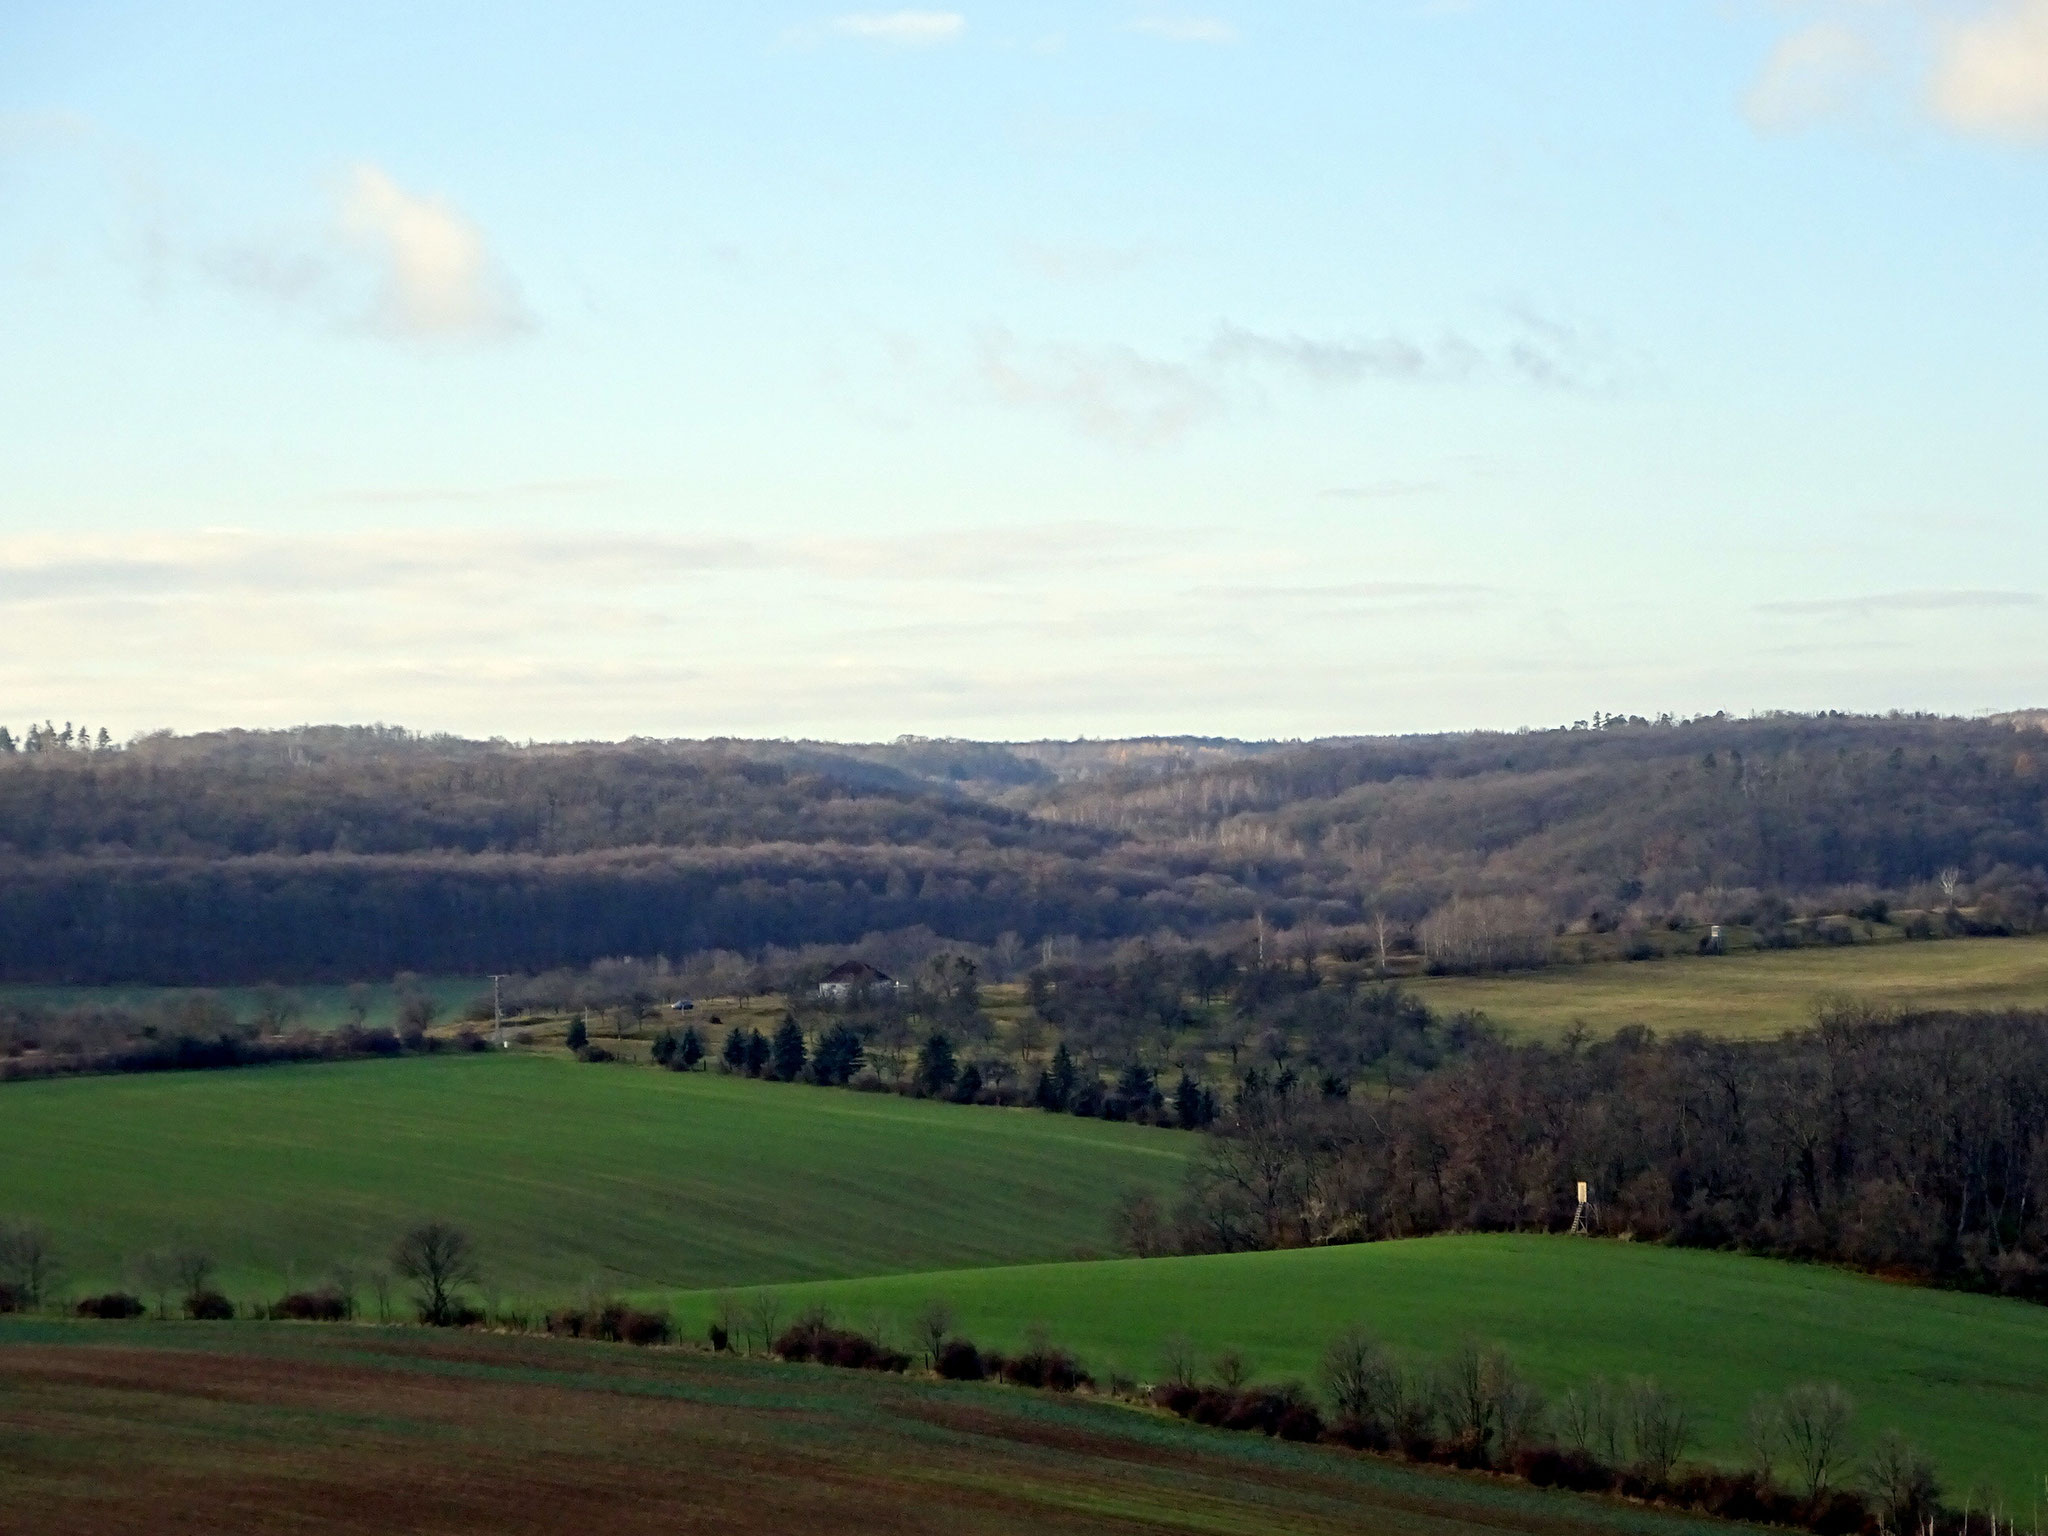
[
  {"x": 361, "y": 1432},
  {"x": 1754, "y": 993},
  {"x": 566, "y": 1174},
  {"x": 1965, "y": 1377}
]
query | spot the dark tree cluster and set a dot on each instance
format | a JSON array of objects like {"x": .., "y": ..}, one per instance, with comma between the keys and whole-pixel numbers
[{"x": 1916, "y": 1143}]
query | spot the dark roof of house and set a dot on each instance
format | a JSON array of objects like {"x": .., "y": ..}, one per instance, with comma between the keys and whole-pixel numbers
[{"x": 853, "y": 971}]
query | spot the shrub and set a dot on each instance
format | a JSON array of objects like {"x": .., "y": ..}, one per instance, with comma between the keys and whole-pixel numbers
[
  {"x": 613, "y": 1321},
  {"x": 113, "y": 1305},
  {"x": 720, "y": 1340},
  {"x": 959, "y": 1360},
  {"x": 1054, "y": 1370},
  {"x": 310, "y": 1307},
  {"x": 815, "y": 1339},
  {"x": 10, "y": 1299},
  {"x": 594, "y": 1053},
  {"x": 209, "y": 1307},
  {"x": 578, "y": 1035}
]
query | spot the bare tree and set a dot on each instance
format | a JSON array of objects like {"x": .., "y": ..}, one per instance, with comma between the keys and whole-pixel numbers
[
  {"x": 728, "y": 1317},
  {"x": 156, "y": 1276},
  {"x": 1949, "y": 878},
  {"x": 1589, "y": 1419},
  {"x": 763, "y": 1319},
  {"x": 1902, "y": 1482},
  {"x": 1659, "y": 1427},
  {"x": 1231, "y": 1370},
  {"x": 1816, "y": 1416},
  {"x": 438, "y": 1258},
  {"x": 195, "y": 1269},
  {"x": 1362, "y": 1383},
  {"x": 1177, "y": 1361},
  {"x": 1764, "y": 1437},
  {"x": 28, "y": 1261},
  {"x": 380, "y": 1287},
  {"x": 1138, "y": 1225},
  {"x": 357, "y": 1005},
  {"x": 933, "y": 1326},
  {"x": 346, "y": 1281}
]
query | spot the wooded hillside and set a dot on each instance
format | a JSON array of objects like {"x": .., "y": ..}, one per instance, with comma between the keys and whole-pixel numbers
[{"x": 347, "y": 852}]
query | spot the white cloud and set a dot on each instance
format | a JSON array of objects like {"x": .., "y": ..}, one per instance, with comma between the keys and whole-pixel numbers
[
  {"x": 1974, "y": 67},
  {"x": 1813, "y": 73},
  {"x": 911, "y": 28},
  {"x": 1186, "y": 29},
  {"x": 437, "y": 277},
  {"x": 1991, "y": 71}
]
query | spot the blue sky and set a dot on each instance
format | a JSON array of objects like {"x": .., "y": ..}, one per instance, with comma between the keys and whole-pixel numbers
[{"x": 1089, "y": 368}]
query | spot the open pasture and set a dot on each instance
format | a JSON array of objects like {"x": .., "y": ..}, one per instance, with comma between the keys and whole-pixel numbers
[
  {"x": 186, "y": 1430},
  {"x": 1752, "y": 994},
  {"x": 1965, "y": 1377},
  {"x": 568, "y": 1175}
]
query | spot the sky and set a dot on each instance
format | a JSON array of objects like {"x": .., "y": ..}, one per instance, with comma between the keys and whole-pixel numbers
[{"x": 1097, "y": 368}]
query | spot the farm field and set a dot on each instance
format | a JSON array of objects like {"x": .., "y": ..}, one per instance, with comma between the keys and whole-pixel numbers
[
  {"x": 1965, "y": 1377},
  {"x": 1754, "y": 993},
  {"x": 186, "y": 1430},
  {"x": 566, "y": 1174}
]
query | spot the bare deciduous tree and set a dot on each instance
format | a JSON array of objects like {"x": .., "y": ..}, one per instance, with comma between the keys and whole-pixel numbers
[
  {"x": 933, "y": 1326},
  {"x": 28, "y": 1261},
  {"x": 763, "y": 1320},
  {"x": 1231, "y": 1370},
  {"x": 1659, "y": 1427},
  {"x": 439, "y": 1259},
  {"x": 1816, "y": 1417}
]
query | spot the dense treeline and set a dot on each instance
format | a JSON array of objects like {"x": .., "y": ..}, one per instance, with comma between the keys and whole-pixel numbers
[
  {"x": 1915, "y": 1143},
  {"x": 351, "y": 852}
]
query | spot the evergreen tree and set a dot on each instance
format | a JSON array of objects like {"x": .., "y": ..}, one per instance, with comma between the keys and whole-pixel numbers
[
  {"x": 968, "y": 1089},
  {"x": 1064, "y": 1077},
  {"x": 757, "y": 1053},
  {"x": 665, "y": 1046},
  {"x": 735, "y": 1053},
  {"x": 1190, "y": 1104},
  {"x": 937, "y": 1068},
  {"x": 105, "y": 741},
  {"x": 840, "y": 1054},
  {"x": 689, "y": 1050},
  {"x": 579, "y": 1034},
  {"x": 6, "y": 740},
  {"x": 788, "y": 1051}
]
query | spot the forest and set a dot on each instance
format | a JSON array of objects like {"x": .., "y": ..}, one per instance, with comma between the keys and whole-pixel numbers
[{"x": 336, "y": 853}]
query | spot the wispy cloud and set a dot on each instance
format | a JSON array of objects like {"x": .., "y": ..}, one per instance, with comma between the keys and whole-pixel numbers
[
  {"x": 1929, "y": 600},
  {"x": 1815, "y": 72},
  {"x": 916, "y": 29},
  {"x": 1186, "y": 29},
  {"x": 1346, "y": 361},
  {"x": 437, "y": 278},
  {"x": 1113, "y": 393}
]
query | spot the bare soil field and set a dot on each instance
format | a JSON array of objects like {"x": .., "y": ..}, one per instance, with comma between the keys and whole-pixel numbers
[{"x": 179, "y": 1430}]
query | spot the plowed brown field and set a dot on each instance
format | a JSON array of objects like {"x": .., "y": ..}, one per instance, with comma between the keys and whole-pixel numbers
[{"x": 190, "y": 1431}]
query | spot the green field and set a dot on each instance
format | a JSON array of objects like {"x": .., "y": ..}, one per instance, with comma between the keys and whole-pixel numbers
[
  {"x": 1965, "y": 1377},
  {"x": 568, "y": 1175},
  {"x": 1752, "y": 994},
  {"x": 192, "y": 1430}
]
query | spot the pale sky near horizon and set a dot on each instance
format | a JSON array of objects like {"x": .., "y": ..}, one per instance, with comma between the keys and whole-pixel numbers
[{"x": 1102, "y": 367}]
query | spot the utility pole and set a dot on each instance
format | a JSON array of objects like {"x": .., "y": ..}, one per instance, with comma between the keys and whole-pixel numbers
[{"x": 497, "y": 1012}]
